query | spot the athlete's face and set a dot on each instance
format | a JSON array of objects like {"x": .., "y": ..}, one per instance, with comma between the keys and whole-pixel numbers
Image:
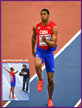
[
  {"x": 44, "y": 16},
  {"x": 13, "y": 69}
]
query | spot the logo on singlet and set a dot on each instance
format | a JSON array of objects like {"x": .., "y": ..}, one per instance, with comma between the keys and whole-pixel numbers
[
  {"x": 43, "y": 32},
  {"x": 38, "y": 27},
  {"x": 48, "y": 27}
]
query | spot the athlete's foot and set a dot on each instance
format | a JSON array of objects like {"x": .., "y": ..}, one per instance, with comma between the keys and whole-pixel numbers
[
  {"x": 50, "y": 103},
  {"x": 40, "y": 85},
  {"x": 14, "y": 97},
  {"x": 9, "y": 95}
]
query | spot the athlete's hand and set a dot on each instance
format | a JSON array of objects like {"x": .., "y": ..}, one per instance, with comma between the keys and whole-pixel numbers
[
  {"x": 33, "y": 53},
  {"x": 43, "y": 38},
  {"x": 4, "y": 67}
]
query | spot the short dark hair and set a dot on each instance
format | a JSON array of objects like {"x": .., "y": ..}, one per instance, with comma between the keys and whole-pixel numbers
[
  {"x": 11, "y": 68},
  {"x": 24, "y": 65},
  {"x": 46, "y": 11}
]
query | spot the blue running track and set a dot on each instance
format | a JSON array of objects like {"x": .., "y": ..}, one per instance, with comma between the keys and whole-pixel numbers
[{"x": 67, "y": 80}]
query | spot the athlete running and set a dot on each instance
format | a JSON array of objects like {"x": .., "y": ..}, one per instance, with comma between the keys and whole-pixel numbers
[
  {"x": 45, "y": 33},
  {"x": 12, "y": 81}
]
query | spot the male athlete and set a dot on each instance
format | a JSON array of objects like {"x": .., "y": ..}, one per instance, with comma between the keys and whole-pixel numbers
[
  {"x": 45, "y": 33},
  {"x": 12, "y": 81}
]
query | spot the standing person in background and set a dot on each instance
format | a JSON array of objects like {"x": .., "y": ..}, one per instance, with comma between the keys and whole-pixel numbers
[
  {"x": 12, "y": 81},
  {"x": 25, "y": 73}
]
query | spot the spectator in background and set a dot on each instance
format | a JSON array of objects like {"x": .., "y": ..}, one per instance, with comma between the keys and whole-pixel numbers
[{"x": 25, "y": 73}]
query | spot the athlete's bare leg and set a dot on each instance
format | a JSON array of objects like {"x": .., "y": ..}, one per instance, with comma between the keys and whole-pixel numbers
[
  {"x": 38, "y": 63},
  {"x": 50, "y": 84},
  {"x": 12, "y": 91}
]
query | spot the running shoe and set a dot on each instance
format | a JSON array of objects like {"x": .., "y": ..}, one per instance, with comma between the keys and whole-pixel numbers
[
  {"x": 50, "y": 103},
  {"x": 40, "y": 86},
  {"x": 14, "y": 97},
  {"x": 9, "y": 95}
]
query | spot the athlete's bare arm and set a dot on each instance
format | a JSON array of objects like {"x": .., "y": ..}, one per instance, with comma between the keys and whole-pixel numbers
[
  {"x": 15, "y": 72},
  {"x": 53, "y": 41},
  {"x": 6, "y": 70},
  {"x": 33, "y": 40}
]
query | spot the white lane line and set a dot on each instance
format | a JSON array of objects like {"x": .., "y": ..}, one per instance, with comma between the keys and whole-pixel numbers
[
  {"x": 9, "y": 65},
  {"x": 68, "y": 43},
  {"x": 78, "y": 103},
  {"x": 20, "y": 64},
  {"x": 59, "y": 52},
  {"x": 34, "y": 76},
  {"x": 6, "y": 103},
  {"x": 6, "y": 80},
  {"x": 8, "y": 83}
]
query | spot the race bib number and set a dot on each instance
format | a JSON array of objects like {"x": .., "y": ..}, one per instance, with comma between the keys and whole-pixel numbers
[
  {"x": 42, "y": 43},
  {"x": 11, "y": 78}
]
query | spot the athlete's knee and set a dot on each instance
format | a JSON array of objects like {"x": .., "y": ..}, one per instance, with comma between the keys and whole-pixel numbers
[
  {"x": 37, "y": 65},
  {"x": 50, "y": 81},
  {"x": 11, "y": 88}
]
